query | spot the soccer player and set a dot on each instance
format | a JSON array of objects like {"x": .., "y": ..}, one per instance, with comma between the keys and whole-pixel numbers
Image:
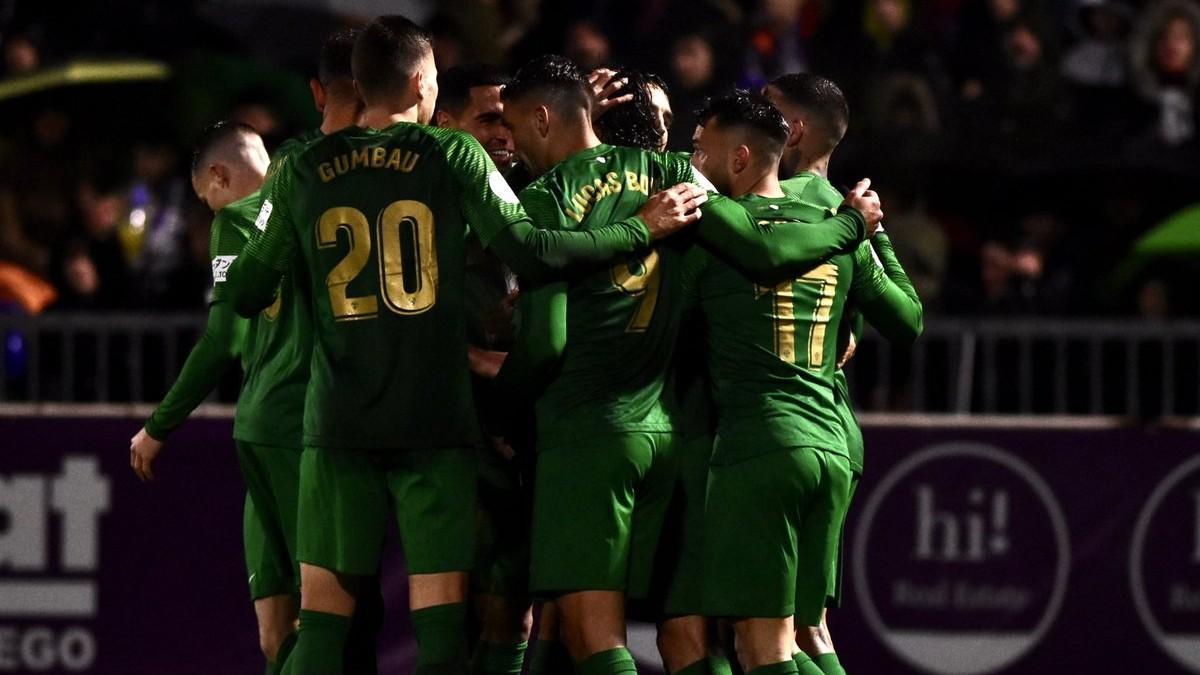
[
  {"x": 779, "y": 476},
  {"x": 640, "y": 116},
  {"x": 469, "y": 100},
  {"x": 607, "y": 459},
  {"x": 228, "y": 168},
  {"x": 818, "y": 116},
  {"x": 378, "y": 217}
]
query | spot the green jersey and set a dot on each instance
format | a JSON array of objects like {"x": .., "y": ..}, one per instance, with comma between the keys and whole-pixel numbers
[
  {"x": 379, "y": 220},
  {"x": 290, "y": 147},
  {"x": 772, "y": 352},
  {"x": 621, "y": 321},
  {"x": 277, "y": 350},
  {"x": 899, "y": 319}
]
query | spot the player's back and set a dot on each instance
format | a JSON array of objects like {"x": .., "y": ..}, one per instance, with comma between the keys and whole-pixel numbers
[
  {"x": 621, "y": 321},
  {"x": 383, "y": 238},
  {"x": 772, "y": 350}
]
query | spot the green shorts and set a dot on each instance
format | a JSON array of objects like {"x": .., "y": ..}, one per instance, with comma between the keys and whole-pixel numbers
[
  {"x": 346, "y": 496},
  {"x": 502, "y": 538},
  {"x": 838, "y": 570},
  {"x": 684, "y": 532},
  {"x": 771, "y": 531},
  {"x": 272, "y": 476},
  {"x": 598, "y": 512}
]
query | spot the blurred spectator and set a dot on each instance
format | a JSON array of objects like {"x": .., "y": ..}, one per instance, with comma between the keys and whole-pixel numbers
[
  {"x": 90, "y": 269},
  {"x": 919, "y": 241},
  {"x": 693, "y": 78},
  {"x": 20, "y": 55},
  {"x": 1154, "y": 300},
  {"x": 1166, "y": 68},
  {"x": 778, "y": 41},
  {"x": 1098, "y": 59},
  {"x": 37, "y": 183},
  {"x": 262, "y": 115},
  {"x": 587, "y": 45},
  {"x": 153, "y": 231}
]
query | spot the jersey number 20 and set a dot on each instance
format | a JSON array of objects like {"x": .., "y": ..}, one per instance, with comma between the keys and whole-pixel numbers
[{"x": 401, "y": 222}]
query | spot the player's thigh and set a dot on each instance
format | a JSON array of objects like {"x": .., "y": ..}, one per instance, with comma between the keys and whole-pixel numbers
[
  {"x": 820, "y": 536},
  {"x": 684, "y": 531},
  {"x": 269, "y": 571},
  {"x": 838, "y": 569},
  {"x": 502, "y": 534},
  {"x": 583, "y": 505},
  {"x": 751, "y": 524},
  {"x": 272, "y": 477},
  {"x": 342, "y": 510},
  {"x": 657, "y": 516},
  {"x": 433, "y": 493}
]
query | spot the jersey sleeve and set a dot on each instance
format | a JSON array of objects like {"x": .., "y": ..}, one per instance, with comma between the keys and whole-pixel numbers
[
  {"x": 225, "y": 244},
  {"x": 767, "y": 253},
  {"x": 218, "y": 348},
  {"x": 540, "y": 341},
  {"x": 884, "y": 293},
  {"x": 253, "y": 277}
]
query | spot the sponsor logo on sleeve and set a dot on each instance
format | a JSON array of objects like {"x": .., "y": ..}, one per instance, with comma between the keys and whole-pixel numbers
[
  {"x": 498, "y": 185},
  {"x": 220, "y": 267},
  {"x": 264, "y": 214}
]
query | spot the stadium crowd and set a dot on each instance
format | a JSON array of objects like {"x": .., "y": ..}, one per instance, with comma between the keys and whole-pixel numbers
[{"x": 999, "y": 132}]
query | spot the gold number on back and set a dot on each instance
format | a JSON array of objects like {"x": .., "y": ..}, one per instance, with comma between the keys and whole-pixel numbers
[
  {"x": 639, "y": 278},
  {"x": 783, "y": 297},
  {"x": 401, "y": 222},
  {"x": 412, "y": 222},
  {"x": 358, "y": 233}
]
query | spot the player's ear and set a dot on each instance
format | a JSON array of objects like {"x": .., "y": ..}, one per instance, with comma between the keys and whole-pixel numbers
[
  {"x": 318, "y": 93},
  {"x": 219, "y": 174},
  {"x": 542, "y": 119},
  {"x": 741, "y": 158},
  {"x": 441, "y": 118},
  {"x": 795, "y": 132}
]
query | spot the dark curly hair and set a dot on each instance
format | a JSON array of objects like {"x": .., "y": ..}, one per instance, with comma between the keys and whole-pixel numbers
[{"x": 632, "y": 124}]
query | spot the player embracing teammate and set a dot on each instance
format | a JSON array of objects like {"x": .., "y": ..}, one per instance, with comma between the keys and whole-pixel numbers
[{"x": 634, "y": 511}]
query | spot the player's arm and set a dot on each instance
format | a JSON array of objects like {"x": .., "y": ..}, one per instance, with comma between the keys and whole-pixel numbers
[
  {"x": 766, "y": 253},
  {"x": 540, "y": 342},
  {"x": 884, "y": 293},
  {"x": 253, "y": 278},
  {"x": 218, "y": 348},
  {"x": 536, "y": 252}
]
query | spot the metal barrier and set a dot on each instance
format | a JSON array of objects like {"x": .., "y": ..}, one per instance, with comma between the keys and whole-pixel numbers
[{"x": 999, "y": 366}]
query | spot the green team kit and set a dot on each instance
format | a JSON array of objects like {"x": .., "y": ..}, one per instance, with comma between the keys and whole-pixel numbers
[
  {"x": 379, "y": 220},
  {"x": 609, "y": 457},
  {"x": 898, "y": 320}
]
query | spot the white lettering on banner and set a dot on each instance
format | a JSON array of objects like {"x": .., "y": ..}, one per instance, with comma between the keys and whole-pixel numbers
[
  {"x": 23, "y": 542},
  {"x": 971, "y": 599},
  {"x": 40, "y": 648}
]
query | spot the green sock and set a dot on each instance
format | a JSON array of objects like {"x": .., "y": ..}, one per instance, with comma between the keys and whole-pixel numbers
[
  {"x": 493, "y": 658},
  {"x": 719, "y": 665},
  {"x": 805, "y": 664},
  {"x": 550, "y": 657},
  {"x": 782, "y": 668},
  {"x": 441, "y": 633},
  {"x": 608, "y": 662},
  {"x": 281, "y": 656},
  {"x": 362, "y": 641},
  {"x": 319, "y": 644},
  {"x": 829, "y": 664}
]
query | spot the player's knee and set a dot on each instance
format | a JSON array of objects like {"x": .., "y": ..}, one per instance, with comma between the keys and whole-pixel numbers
[
  {"x": 271, "y": 638},
  {"x": 682, "y": 642},
  {"x": 814, "y": 640}
]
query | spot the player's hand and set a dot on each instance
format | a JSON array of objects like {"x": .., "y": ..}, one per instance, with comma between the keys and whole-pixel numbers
[
  {"x": 672, "y": 209},
  {"x": 851, "y": 347},
  {"x": 604, "y": 89},
  {"x": 863, "y": 198},
  {"x": 484, "y": 362},
  {"x": 143, "y": 450}
]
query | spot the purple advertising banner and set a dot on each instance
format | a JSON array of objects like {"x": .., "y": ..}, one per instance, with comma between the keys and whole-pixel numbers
[{"x": 969, "y": 551}]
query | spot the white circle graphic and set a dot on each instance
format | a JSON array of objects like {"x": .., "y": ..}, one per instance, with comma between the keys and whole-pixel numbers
[
  {"x": 1185, "y": 649},
  {"x": 962, "y": 652}
]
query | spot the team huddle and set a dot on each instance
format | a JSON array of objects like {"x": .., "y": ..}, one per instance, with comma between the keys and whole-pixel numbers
[{"x": 654, "y": 427}]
